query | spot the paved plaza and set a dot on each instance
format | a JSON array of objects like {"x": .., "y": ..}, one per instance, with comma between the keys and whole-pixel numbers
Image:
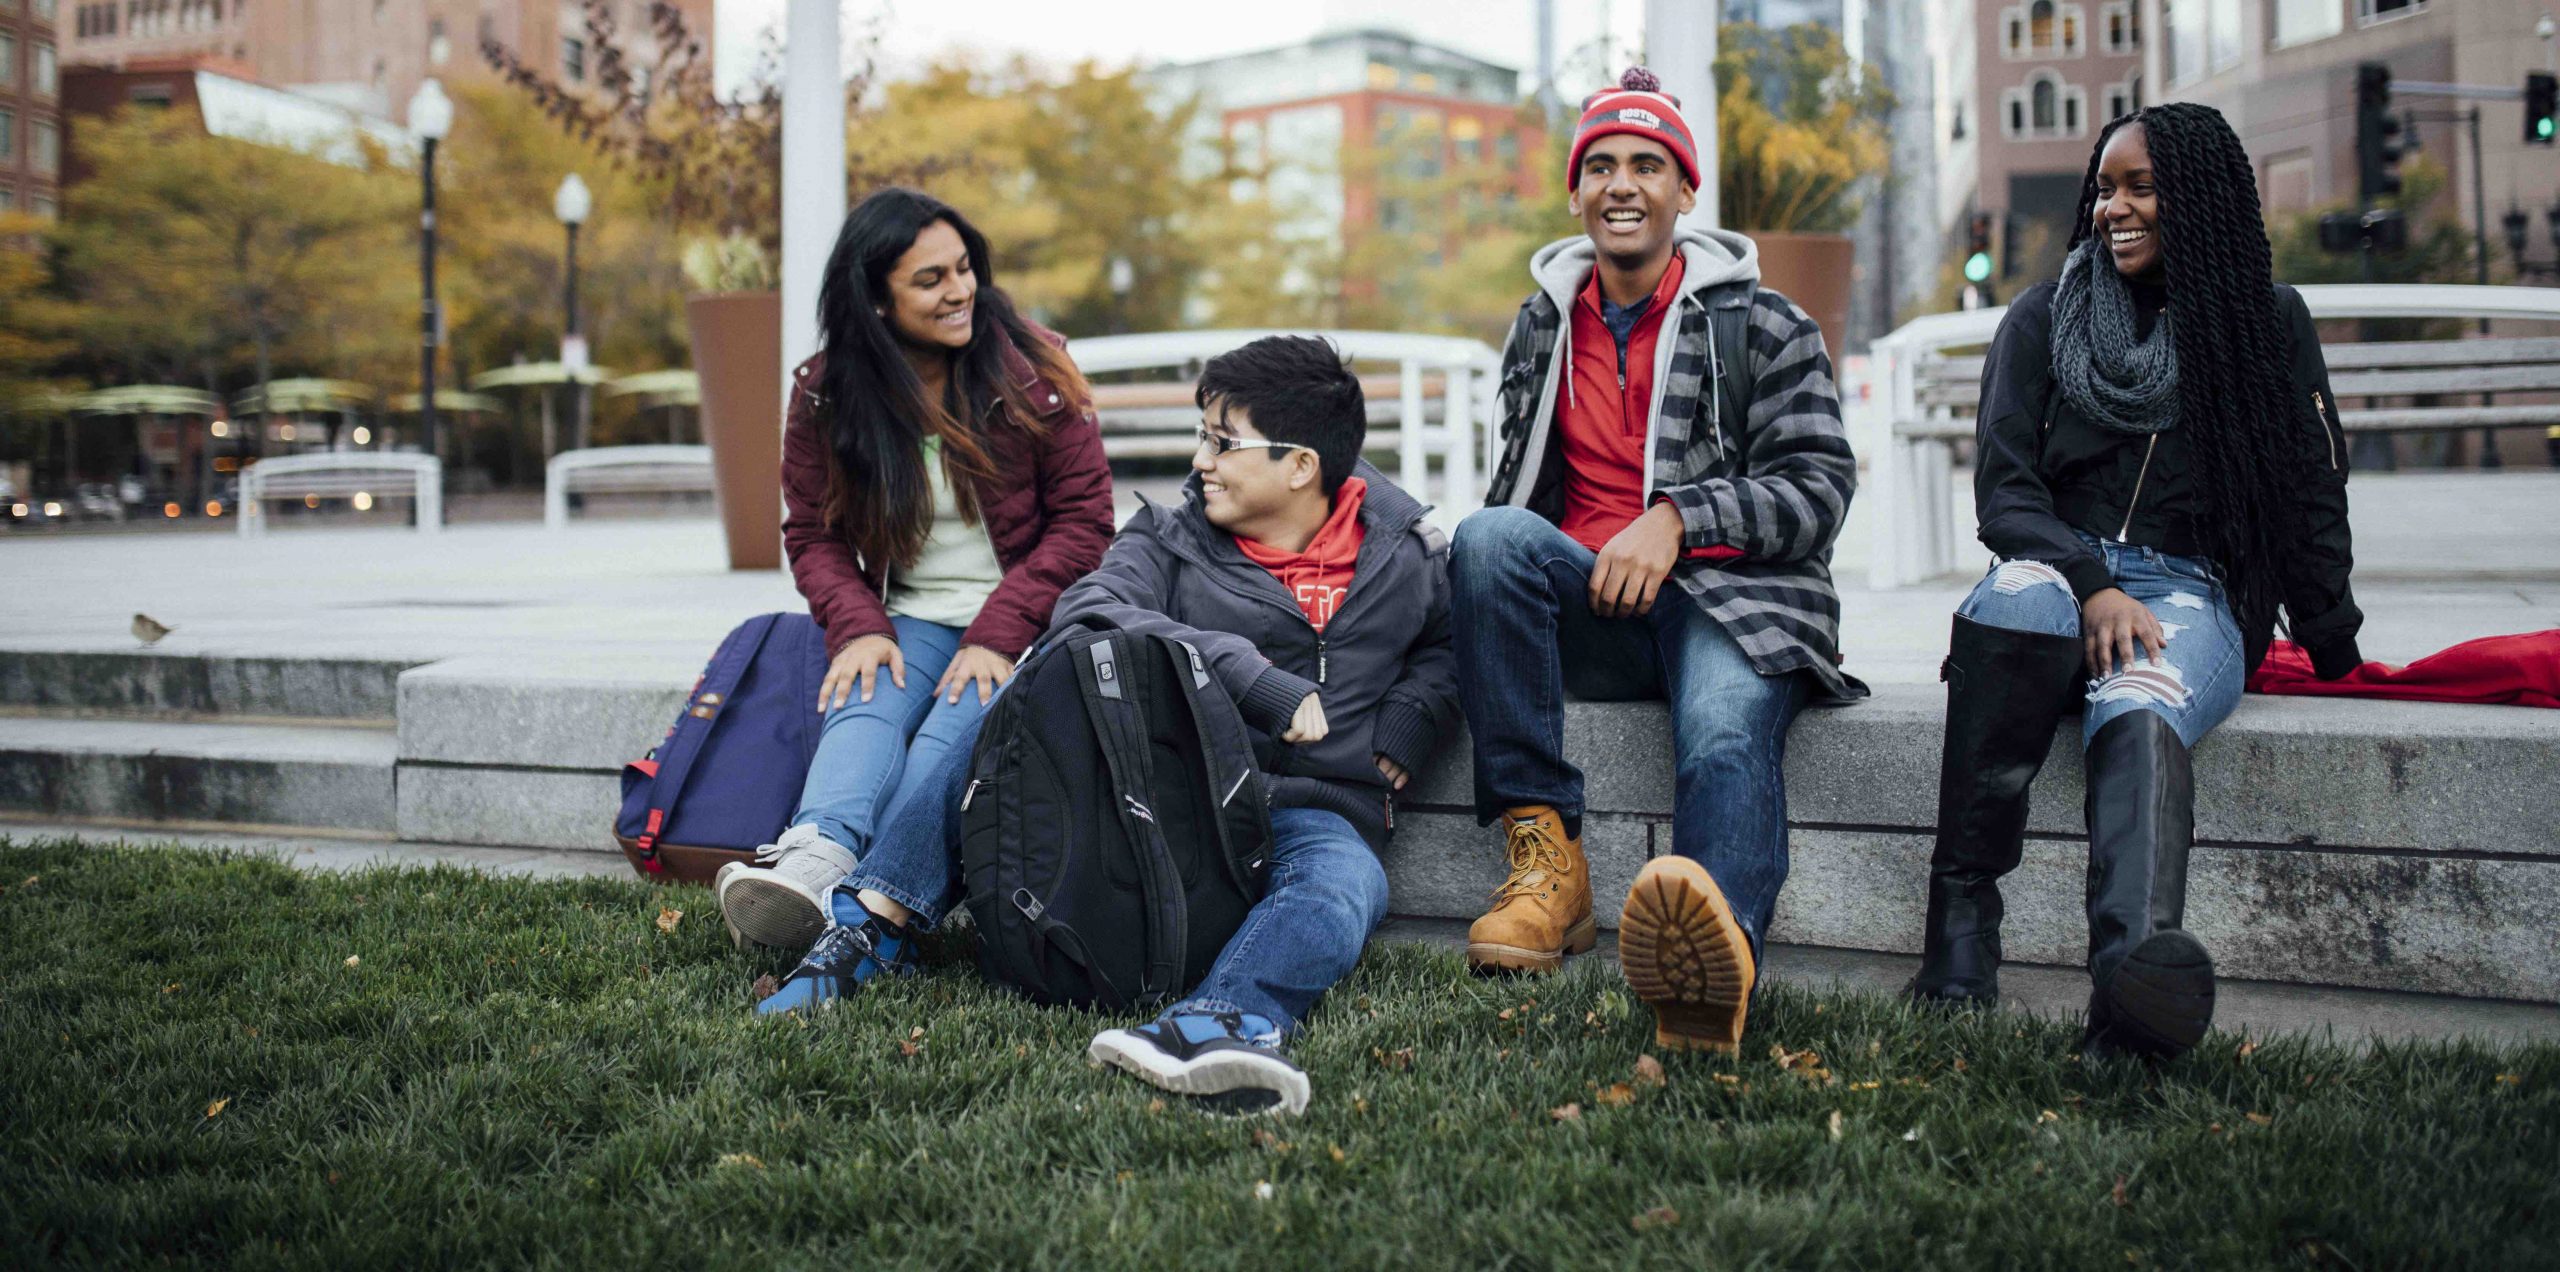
[{"x": 2440, "y": 558}]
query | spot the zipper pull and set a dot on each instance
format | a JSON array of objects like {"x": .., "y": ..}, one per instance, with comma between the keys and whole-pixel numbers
[
  {"x": 971, "y": 793},
  {"x": 1320, "y": 660}
]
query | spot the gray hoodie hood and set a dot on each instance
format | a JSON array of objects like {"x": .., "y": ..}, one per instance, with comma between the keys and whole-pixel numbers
[{"x": 1712, "y": 257}]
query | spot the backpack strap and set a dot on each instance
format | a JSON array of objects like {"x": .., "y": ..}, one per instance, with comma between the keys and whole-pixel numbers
[
  {"x": 728, "y": 666},
  {"x": 1119, "y": 725},
  {"x": 1224, "y": 788},
  {"x": 1729, "y": 362}
]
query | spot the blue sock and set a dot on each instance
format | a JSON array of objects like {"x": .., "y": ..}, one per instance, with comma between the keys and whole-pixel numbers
[{"x": 847, "y": 908}]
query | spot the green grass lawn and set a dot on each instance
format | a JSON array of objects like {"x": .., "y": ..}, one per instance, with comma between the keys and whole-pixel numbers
[{"x": 210, "y": 1059}]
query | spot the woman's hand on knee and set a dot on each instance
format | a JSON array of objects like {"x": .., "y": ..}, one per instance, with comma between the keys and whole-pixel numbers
[
  {"x": 986, "y": 667},
  {"x": 2114, "y": 628},
  {"x": 858, "y": 664}
]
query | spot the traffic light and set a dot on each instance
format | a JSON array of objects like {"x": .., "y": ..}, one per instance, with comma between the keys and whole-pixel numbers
[
  {"x": 2541, "y": 108},
  {"x": 1977, "y": 261},
  {"x": 2378, "y": 144}
]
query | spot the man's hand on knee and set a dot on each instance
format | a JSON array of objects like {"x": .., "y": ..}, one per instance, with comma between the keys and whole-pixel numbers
[{"x": 1632, "y": 567}]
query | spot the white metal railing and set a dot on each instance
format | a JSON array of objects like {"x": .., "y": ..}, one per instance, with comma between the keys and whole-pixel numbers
[
  {"x": 1911, "y": 472},
  {"x": 343, "y": 475},
  {"x": 1464, "y": 369},
  {"x": 619, "y": 469}
]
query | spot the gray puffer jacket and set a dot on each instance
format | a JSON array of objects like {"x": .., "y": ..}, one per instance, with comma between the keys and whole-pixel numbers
[{"x": 1383, "y": 667}]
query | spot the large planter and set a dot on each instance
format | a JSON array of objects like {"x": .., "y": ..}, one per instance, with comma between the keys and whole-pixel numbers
[
  {"x": 737, "y": 352},
  {"x": 1812, "y": 270}
]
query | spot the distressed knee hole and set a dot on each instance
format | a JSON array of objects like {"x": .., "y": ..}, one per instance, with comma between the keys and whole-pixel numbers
[
  {"x": 2014, "y": 577},
  {"x": 2169, "y": 631},
  {"x": 2147, "y": 681}
]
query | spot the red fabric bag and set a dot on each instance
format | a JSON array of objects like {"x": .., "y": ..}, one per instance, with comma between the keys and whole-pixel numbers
[{"x": 2522, "y": 670}]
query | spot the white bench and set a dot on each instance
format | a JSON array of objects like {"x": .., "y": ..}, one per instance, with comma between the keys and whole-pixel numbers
[
  {"x": 1442, "y": 404},
  {"x": 621, "y": 470},
  {"x": 343, "y": 475},
  {"x": 1930, "y": 394}
]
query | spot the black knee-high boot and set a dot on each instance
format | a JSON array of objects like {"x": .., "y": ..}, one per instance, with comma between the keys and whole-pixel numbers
[
  {"x": 2005, "y": 692},
  {"x": 2152, "y": 982}
]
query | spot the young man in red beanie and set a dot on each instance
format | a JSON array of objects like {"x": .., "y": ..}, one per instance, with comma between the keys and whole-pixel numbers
[{"x": 1674, "y": 471}]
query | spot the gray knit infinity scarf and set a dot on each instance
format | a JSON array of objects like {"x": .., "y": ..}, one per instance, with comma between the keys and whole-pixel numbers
[{"x": 2112, "y": 378}]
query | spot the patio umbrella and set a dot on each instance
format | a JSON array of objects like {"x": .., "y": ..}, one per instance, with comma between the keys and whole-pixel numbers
[
  {"x": 671, "y": 390},
  {"x": 144, "y": 402},
  {"x": 300, "y": 395},
  {"x": 541, "y": 375}
]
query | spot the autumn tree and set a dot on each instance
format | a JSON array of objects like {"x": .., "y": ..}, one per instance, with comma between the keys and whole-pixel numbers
[
  {"x": 188, "y": 253},
  {"x": 1797, "y": 127}
]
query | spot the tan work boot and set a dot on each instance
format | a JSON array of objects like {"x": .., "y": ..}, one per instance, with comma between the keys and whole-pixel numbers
[
  {"x": 1543, "y": 911},
  {"x": 1685, "y": 953}
]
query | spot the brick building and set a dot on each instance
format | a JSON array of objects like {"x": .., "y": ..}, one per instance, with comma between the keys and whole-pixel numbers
[
  {"x": 30, "y": 108},
  {"x": 2048, "y": 75},
  {"x": 366, "y": 55}
]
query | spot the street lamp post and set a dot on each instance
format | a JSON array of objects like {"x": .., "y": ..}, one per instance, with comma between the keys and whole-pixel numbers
[
  {"x": 572, "y": 204},
  {"x": 430, "y": 117}
]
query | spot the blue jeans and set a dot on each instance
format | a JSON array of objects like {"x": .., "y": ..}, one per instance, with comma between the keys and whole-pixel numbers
[
  {"x": 873, "y": 757},
  {"x": 1327, "y": 893},
  {"x": 1522, "y": 598},
  {"x": 2196, "y": 682}
]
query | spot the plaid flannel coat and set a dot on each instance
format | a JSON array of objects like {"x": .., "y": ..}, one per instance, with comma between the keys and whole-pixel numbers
[{"x": 1775, "y": 485}]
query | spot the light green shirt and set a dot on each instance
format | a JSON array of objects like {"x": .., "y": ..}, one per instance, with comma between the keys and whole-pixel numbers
[{"x": 953, "y": 576}]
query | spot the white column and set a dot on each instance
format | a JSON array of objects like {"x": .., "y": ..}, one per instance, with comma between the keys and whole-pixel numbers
[
  {"x": 1680, "y": 46},
  {"x": 1413, "y": 461},
  {"x": 812, "y": 170}
]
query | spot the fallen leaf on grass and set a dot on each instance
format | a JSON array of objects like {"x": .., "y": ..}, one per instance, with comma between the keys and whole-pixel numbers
[
  {"x": 1335, "y": 1152},
  {"x": 1658, "y": 1217},
  {"x": 1835, "y": 1125},
  {"x": 1566, "y": 1113},
  {"x": 2248, "y": 1048},
  {"x": 766, "y": 987},
  {"x": 2117, "y": 1194},
  {"x": 1506, "y": 1013},
  {"x": 1912, "y": 1136},
  {"x": 1617, "y": 1094},
  {"x": 215, "y": 1109},
  {"x": 170, "y": 988},
  {"x": 1864, "y": 1086},
  {"x": 1806, "y": 1059},
  {"x": 2261, "y": 1119},
  {"x": 353, "y": 959},
  {"x": 1649, "y": 1072},
  {"x": 2510, "y": 1079},
  {"x": 668, "y": 918},
  {"x": 1959, "y": 1064},
  {"x": 1728, "y": 1079},
  {"x": 908, "y": 1050},
  {"x": 740, "y": 1159},
  {"x": 2213, "y": 1128},
  {"x": 29, "y": 881},
  {"x": 2048, "y": 1116},
  {"x": 1399, "y": 1060},
  {"x": 1155, "y": 1107},
  {"x": 1262, "y": 1190}
]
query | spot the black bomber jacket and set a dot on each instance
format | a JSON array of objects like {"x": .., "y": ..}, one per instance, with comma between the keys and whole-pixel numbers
[{"x": 2042, "y": 471}]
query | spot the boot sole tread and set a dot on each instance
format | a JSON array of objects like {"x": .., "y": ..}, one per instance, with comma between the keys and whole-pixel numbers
[{"x": 1685, "y": 955}]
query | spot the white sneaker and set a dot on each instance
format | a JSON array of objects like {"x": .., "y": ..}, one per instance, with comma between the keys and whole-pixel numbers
[{"x": 781, "y": 898}]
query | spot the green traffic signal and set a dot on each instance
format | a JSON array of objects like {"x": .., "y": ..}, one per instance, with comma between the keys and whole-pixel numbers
[
  {"x": 2542, "y": 128},
  {"x": 1977, "y": 267}
]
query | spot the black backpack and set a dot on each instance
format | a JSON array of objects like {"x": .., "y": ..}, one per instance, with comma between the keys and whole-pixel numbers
[{"x": 1115, "y": 829}]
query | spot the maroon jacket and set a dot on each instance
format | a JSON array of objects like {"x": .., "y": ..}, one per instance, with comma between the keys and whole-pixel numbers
[{"x": 1048, "y": 513}]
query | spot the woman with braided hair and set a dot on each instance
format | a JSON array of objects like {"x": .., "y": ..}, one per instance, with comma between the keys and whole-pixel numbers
[{"x": 2159, "y": 471}]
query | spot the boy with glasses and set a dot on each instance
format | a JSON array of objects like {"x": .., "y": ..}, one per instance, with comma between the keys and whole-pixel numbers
[{"x": 1320, "y": 600}]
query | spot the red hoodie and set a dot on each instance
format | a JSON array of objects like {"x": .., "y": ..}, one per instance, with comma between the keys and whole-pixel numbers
[{"x": 1318, "y": 578}]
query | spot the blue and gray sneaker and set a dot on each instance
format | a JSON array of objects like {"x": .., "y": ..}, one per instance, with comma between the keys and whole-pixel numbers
[
  {"x": 856, "y": 946},
  {"x": 1226, "y": 1063}
]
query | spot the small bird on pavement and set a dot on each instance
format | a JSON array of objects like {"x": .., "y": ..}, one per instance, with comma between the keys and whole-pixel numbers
[{"x": 149, "y": 630}]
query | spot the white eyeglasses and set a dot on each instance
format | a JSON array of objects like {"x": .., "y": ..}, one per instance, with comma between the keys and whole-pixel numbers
[{"x": 1220, "y": 444}]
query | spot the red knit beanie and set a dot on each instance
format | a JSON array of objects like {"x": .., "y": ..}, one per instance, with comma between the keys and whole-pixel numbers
[{"x": 1639, "y": 106}]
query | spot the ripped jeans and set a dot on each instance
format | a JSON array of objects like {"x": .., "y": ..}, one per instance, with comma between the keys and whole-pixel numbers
[{"x": 2196, "y": 681}]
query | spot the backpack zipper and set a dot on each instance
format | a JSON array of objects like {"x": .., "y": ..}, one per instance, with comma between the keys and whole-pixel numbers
[
  {"x": 2320, "y": 412},
  {"x": 2132, "y": 503}
]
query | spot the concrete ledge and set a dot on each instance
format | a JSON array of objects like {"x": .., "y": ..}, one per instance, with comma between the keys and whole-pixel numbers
[
  {"x": 2398, "y": 776},
  {"x": 142, "y": 682},
  {"x": 593, "y": 713},
  {"x": 2385, "y": 845},
  {"x": 152, "y": 771}
]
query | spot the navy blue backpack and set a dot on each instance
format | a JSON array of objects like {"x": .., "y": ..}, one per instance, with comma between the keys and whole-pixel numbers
[{"x": 727, "y": 777}]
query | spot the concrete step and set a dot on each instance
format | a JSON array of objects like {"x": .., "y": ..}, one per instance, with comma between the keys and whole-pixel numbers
[
  {"x": 144, "y": 682},
  {"x": 2390, "y": 846},
  {"x": 189, "y": 773}
]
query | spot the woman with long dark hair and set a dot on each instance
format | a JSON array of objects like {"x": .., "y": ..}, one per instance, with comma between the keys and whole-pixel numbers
[
  {"x": 2160, "y": 470},
  {"x": 944, "y": 481}
]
